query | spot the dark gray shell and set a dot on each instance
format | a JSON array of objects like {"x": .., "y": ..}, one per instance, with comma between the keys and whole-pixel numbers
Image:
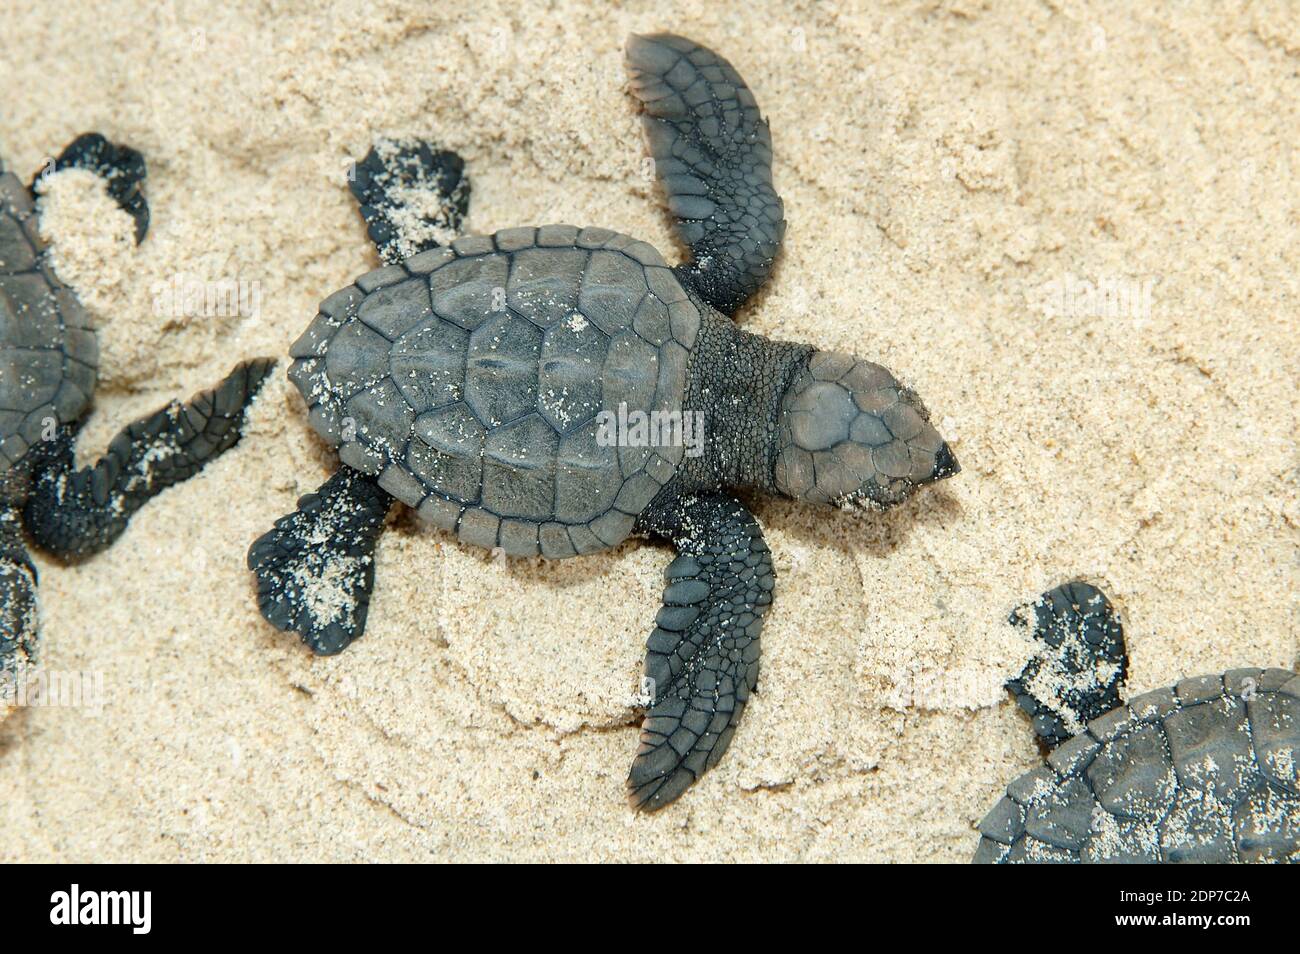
[
  {"x": 1206, "y": 771},
  {"x": 470, "y": 378},
  {"x": 48, "y": 352}
]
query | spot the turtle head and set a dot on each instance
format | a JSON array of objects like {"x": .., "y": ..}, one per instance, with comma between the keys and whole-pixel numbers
[{"x": 850, "y": 435}]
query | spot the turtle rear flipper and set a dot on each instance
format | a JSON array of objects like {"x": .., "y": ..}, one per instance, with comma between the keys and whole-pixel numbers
[
  {"x": 76, "y": 514},
  {"x": 713, "y": 154},
  {"x": 1080, "y": 663},
  {"x": 702, "y": 658},
  {"x": 17, "y": 598},
  {"x": 412, "y": 197},
  {"x": 121, "y": 167},
  {"x": 315, "y": 569}
]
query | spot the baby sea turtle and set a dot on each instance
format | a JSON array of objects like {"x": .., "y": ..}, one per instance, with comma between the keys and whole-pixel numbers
[
  {"x": 1207, "y": 770},
  {"x": 538, "y": 391},
  {"x": 48, "y": 363}
]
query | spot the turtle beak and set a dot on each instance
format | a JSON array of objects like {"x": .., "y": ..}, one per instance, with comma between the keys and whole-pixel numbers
[{"x": 945, "y": 465}]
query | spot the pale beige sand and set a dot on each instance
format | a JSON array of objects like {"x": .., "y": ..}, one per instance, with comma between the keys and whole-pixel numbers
[{"x": 943, "y": 164}]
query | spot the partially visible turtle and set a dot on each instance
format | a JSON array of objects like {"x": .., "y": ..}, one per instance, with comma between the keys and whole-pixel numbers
[
  {"x": 486, "y": 385},
  {"x": 48, "y": 363},
  {"x": 1207, "y": 770}
]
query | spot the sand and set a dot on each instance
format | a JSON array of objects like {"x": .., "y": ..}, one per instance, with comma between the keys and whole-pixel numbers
[{"x": 953, "y": 173}]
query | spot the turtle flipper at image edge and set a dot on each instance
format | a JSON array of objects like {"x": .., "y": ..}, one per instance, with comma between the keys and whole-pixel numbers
[
  {"x": 120, "y": 167},
  {"x": 1207, "y": 770},
  {"x": 551, "y": 391},
  {"x": 48, "y": 366}
]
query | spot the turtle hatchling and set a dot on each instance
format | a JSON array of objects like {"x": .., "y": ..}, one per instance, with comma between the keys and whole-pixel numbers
[
  {"x": 538, "y": 390},
  {"x": 48, "y": 363},
  {"x": 1207, "y": 770}
]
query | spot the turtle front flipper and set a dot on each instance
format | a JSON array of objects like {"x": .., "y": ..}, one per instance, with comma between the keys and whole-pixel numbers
[
  {"x": 713, "y": 154},
  {"x": 121, "y": 167},
  {"x": 76, "y": 514},
  {"x": 702, "y": 658},
  {"x": 1079, "y": 663},
  {"x": 412, "y": 197},
  {"x": 17, "y": 598},
  {"x": 315, "y": 569}
]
